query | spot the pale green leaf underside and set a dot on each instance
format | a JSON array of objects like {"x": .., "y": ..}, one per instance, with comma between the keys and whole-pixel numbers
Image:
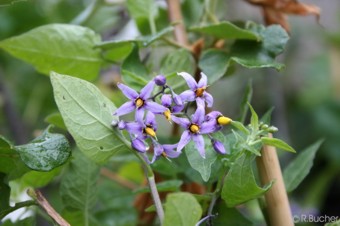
[
  {"x": 64, "y": 48},
  {"x": 87, "y": 114},
  {"x": 181, "y": 209}
]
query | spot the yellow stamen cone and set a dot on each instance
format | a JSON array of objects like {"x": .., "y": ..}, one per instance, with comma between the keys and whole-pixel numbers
[
  {"x": 222, "y": 120},
  {"x": 167, "y": 115},
  {"x": 150, "y": 132}
]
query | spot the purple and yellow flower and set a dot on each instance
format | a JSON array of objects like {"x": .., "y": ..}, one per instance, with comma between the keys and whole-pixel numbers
[
  {"x": 167, "y": 101},
  {"x": 165, "y": 150},
  {"x": 194, "y": 129},
  {"x": 139, "y": 101},
  {"x": 197, "y": 90},
  {"x": 218, "y": 119},
  {"x": 145, "y": 128}
]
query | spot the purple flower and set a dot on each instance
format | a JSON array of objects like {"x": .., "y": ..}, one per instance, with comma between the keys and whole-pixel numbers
[
  {"x": 194, "y": 130},
  {"x": 145, "y": 128},
  {"x": 218, "y": 146},
  {"x": 166, "y": 150},
  {"x": 139, "y": 102},
  {"x": 216, "y": 118},
  {"x": 160, "y": 80},
  {"x": 197, "y": 90},
  {"x": 139, "y": 145},
  {"x": 167, "y": 101}
]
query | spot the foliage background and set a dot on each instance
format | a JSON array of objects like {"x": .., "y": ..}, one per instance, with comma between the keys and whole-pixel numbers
[{"x": 306, "y": 94}]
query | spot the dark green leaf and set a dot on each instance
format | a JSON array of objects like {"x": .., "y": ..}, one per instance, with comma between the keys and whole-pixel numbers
[
  {"x": 116, "y": 50},
  {"x": 56, "y": 120},
  {"x": 5, "y": 192},
  {"x": 134, "y": 72},
  {"x": 29, "y": 221},
  {"x": 181, "y": 209},
  {"x": 203, "y": 165},
  {"x": 78, "y": 218},
  {"x": 38, "y": 179},
  {"x": 58, "y": 47},
  {"x": 87, "y": 114},
  {"x": 229, "y": 217},
  {"x": 45, "y": 152},
  {"x": 277, "y": 143},
  {"x": 299, "y": 168},
  {"x": 240, "y": 185},
  {"x": 169, "y": 185},
  {"x": 227, "y": 30},
  {"x": 147, "y": 40},
  {"x": 9, "y": 158},
  {"x": 9, "y": 2},
  {"x": 78, "y": 188},
  {"x": 250, "y": 54}
]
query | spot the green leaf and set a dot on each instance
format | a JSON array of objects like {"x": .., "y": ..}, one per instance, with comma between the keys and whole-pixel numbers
[
  {"x": 169, "y": 185},
  {"x": 5, "y": 192},
  {"x": 45, "y": 152},
  {"x": 249, "y": 54},
  {"x": 334, "y": 223},
  {"x": 78, "y": 218},
  {"x": 142, "y": 12},
  {"x": 9, "y": 2},
  {"x": 38, "y": 179},
  {"x": 9, "y": 158},
  {"x": 116, "y": 50},
  {"x": 58, "y": 47},
  {"x": 248, "y": 93},
  {"x": 134, "y": 72},
  {"x": 299, "y": 168},
  {"x": 266, "y": 118},
  {"x": 227, "y": 30},
  {"x": 229, "y": 216},
  {"x": 56, "y": 119},
  {"x": 203, "y": 165},
  {"x": 240, "y": 185},
  {"x": 254, "y": 119},
  {"x": 240, "y": 127},
  {"x": 181, "y": 209},
  {"x": 87, "y": 114},
  {"x": 78, "y": 187},
  {"x": 277, "y": 143}
]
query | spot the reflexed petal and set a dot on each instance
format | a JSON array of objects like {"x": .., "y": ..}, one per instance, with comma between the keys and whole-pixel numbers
[
  {"x": 177, "y": 99},
  {"x": 172, "y": 154},
  {"x": 200, "y": 102},
  {"x": 188, "y": 95},
  {"x": 199, "y": 142},
  {"x": 189, "y": 79},
  {"x": 176, "y": 109},
  {"x": 203, "y": 81},
  {"x": 212, "y": 115},
  {"x": 140, "y": 115},
  {"x": 166, "y": 100},
  {"x": 170, "y": 146},
  {"x": 198, "y": 116},
  {"x": 209, "y": 99},
  {"x": 209, "y": 127},
  {"x": 150, "y": 119},
  {"x": 185, "y": 138},
  {"x": 154, "y": 107},
  {"x": 184, "y": 122},
  {"x": 134, "y": 127},
  {"x": 128, "y": 92},
  {"x": 145, "y": 93},
  {"x": 157, "y": 148},
  {"x": 125, "y": 108}
]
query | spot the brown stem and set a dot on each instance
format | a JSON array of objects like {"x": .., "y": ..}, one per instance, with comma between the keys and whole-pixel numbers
[
  {"x": 43, "y": 203},
  {"x": 115, "y": 177},
  {"x": 277, "y": 204}
]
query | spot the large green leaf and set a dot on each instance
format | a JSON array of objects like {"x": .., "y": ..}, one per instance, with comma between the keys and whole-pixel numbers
[
  {"x": 203, "y": 165},
  {"x": 58, "y": 47},
  {"x": 87, "y": 114},
  {"x": 78, "y": 188},
  {"x": 9, "y": 2},
  {"x": 45, "y": 152},
  {"x": 299, "y": 168},
  {"x": 248, "y": 53},
  {"x": 5, "y": 192},
  {"x": 229, "y": 216},
  {"x": 38, "y": 179},
  {"x": 227, "y": 30},
  {"x": 8, "y": 156},
  {"x": 134, "y": 72},
  {"x": 277, "y": 143},
  {"x": 181, "y": 209},
  {"x": 240, "y": 185}
]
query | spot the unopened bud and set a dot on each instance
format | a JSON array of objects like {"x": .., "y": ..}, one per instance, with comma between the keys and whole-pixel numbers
[
  {"x": 166, "y": 100},
  {"x": 160, "y": 80},
  {"x": 222, "y": 120},
  {"x": 139, "y": 145},
  {"x": 121, "y": 125},
  {"x": 218, "y": 146},
  {"x": 272, "y": 129}
]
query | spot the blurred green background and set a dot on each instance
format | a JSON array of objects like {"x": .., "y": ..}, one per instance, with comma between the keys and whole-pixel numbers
[{"x": 306, "y": 95}]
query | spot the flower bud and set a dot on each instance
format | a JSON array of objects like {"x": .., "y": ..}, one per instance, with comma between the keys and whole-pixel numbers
[
  {"x": 160, "y": 80},
  {"x": 166, "y": 100},
  {"x": 121, "y": 125},
  {"x": 218, "y": 146},
  {"x": 139, "y": 145},
  {"x": 272, "y": 129}
]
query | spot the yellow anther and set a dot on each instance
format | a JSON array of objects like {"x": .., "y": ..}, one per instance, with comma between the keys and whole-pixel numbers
[
  {"x": 150, "y": 131},
  {"x": 222, "y": 120},
  {"x": 194, "y": 128},
  {"x": 139, "y": 102},
  {"x": 199, "y": 92},
  {"x": 167, "y": 114},
  {"x": 164, "y": 154}
]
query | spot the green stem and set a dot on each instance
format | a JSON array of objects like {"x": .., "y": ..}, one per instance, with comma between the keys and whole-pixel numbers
[
  {"x": 152, "y": 24},
  {"x": 88, "y": 13},
  {"x": 17, "y": 206},
  {"x": 209, "y": 8}
]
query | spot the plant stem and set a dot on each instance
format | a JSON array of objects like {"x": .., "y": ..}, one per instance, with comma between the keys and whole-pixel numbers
[
  {"x": 43, "y": 203},
  {"x": 17, "y": 206}
]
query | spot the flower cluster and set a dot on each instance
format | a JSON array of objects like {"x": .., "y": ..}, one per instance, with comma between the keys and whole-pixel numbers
[{"x": 174, "y": 108}]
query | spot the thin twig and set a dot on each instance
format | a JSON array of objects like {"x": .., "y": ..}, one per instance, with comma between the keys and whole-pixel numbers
[{"x": 43, "y": 203}]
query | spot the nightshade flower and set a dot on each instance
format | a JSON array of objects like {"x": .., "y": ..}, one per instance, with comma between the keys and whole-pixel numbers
[
  {"x": 166, "y": 101},
  {"x": 194, "y": 130},
  {"x": 216, "y": 118},
  {"x": 139, "y": 102},
  {"x": 197, "y": 90},
  {"x": 145, "y": 128},
  {"x": 166, "y": 150}
]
